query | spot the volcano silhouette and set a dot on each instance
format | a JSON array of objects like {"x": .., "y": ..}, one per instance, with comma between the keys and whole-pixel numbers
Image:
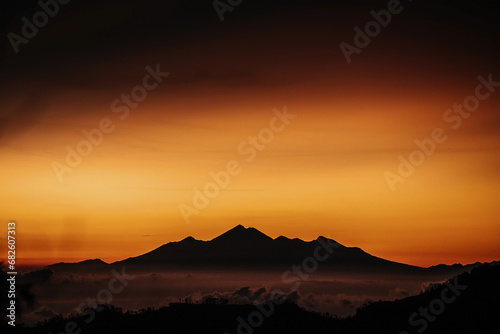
[{"x": 248, "y": 249}]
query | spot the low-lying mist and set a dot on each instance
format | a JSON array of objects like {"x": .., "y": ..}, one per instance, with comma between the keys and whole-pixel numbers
[{"x": 340, "y": 295}]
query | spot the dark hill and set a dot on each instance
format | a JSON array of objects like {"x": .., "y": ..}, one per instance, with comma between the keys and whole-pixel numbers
[{"x": 474, "y": 310}]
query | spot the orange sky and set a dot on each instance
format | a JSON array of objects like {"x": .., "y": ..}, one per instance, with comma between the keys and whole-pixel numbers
[{"x": 322, "y": 175}]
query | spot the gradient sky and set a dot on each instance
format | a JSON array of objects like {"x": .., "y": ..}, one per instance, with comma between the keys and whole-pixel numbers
[{"x": 322, "y": 175}]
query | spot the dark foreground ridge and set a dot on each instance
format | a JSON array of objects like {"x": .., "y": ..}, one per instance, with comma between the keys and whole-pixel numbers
[{"x": 468, "y": 303}]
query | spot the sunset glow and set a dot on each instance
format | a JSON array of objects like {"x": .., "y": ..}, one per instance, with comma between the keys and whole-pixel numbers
[{"x": 322, "y": 174}]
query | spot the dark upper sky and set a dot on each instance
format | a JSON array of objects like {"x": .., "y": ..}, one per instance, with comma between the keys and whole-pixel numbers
[
  {"x": 260, "y": 44},
  {"x": 87, "y": 42}
]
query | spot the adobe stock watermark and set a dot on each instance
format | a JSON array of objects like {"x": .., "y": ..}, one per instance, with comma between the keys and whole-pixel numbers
[
  {"x": 436, "y": 307},
  {"x": 221, "y": 7},
  {"x": 221, "y": 179},
  {"x": 453, "y": 116},
  {"x": 95, "y": 137},
  {"x": 296, "y": 275},
  {"x": 29, "y": 30},
  {"x": 115, "y": 286},
  {"x": 372, "y": 29}
]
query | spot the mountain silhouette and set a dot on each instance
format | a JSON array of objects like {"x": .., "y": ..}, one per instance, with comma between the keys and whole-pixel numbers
[
  {"x": 239, "y": 234},
  {"x": 248, "y": 249},
  {"x": 94, "y": 265}
]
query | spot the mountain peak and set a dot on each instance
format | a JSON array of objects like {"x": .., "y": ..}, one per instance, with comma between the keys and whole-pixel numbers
[{"x": 240, "y": 233}]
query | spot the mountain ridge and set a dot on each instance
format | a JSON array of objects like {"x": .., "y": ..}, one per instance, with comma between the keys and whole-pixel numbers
[{"x": 248, "y": 249}]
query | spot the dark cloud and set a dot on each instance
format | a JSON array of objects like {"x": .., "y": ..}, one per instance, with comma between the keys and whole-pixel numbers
[
  {"x": 243, "y": 295},
  {"x": 428, "y": 286},
  {"x": 243, "y": 292},
  {"x": 310, "y": 302},
  {"x": 293, "y": 296},
  {"x": 398, "y": 293},
  {"x": 346, "y": 302},
  {"x": 260, "y": 292},
  {"x": 35, "y": 277},
  {"x": 24, "y": 115},
  {"x": 45, "y": 312},
  {"x": 39, "y": 314},
  {"x": 24, "y": 285}
]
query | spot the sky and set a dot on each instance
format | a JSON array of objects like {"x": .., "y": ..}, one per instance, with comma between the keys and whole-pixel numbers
[{"x": 305, "y": 141}]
